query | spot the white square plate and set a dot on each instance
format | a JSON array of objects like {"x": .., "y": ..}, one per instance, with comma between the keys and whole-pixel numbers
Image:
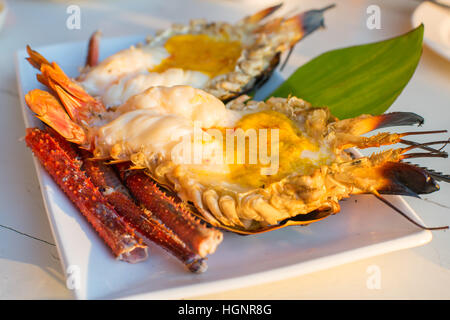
[{"x": 365, "y": 227}]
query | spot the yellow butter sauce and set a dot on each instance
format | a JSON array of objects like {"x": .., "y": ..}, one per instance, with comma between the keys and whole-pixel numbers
[
  {"x": 291, "y": 157},
  {"x": 202, "y": 53}
]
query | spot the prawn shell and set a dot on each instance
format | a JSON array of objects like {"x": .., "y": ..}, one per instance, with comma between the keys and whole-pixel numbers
[
  {"x": 258, "y": 81},
  {"x": 301, "y": 199},
  {"x": 299, "y": 220}
]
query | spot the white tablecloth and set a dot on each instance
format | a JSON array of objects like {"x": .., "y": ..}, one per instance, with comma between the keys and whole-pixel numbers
[{"x": 30, "y": 268}]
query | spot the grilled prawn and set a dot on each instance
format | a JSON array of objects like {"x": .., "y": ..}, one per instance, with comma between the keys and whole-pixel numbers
[
  {"x": 300, "y": 168},
  {"x": 223, "y": 59}
]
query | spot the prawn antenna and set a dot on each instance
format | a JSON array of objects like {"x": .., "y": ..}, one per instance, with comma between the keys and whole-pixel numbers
[
  {"x": 432, "y": 152},
  {"x": 427, "y": 148},
  {"x": 389, "y": 204}
]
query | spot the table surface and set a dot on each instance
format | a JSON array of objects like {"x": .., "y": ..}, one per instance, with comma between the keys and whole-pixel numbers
[{"x": 29, "y": 263}]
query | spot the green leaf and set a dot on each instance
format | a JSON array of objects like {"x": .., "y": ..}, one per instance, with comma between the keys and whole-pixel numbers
[{"x": 357, "y": 80}]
